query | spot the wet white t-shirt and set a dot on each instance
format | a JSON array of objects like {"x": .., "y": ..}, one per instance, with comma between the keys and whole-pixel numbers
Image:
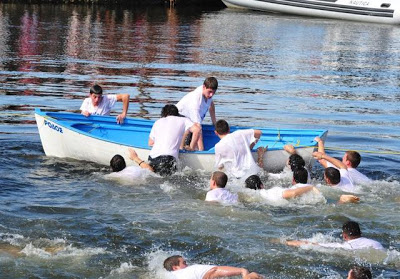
[
  {"x": 104, "y": 107},
  {"x": 221, "y": 195},
  {"x": 194, "y": 106},
  {"x": 167, "y": 133},
  {"x": 196, "y": 271},
  {"x": 358, "y": 177},
  {"x": 233, "y": 153},
  {"x": 345, "y": 184},
  {"x": 130, "y": 173},
  {"x": 355, "y": 244}
]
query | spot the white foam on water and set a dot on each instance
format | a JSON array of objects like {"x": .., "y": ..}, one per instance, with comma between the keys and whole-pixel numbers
[
  {"x": 124, "y": 268},
  {"x": 155, "y": 261}
]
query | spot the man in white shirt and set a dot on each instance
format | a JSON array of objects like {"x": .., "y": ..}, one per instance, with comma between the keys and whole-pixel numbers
[
  {"x": 233, "y": 151},
  {"x": 299, "y": 186},
  {"x": 97, "y": 104},
  {"x": 178, "y": 267},
  {"x": 217, "y": 192},
  {"x": 353, "y": 240},
  {"x": 195, "y": 105},
  {"x": 338, "y": 176},
  {"x": 351, "y": 159},
  {"x": 165, "y": 139},
  {"x": 121, "y": 171}
]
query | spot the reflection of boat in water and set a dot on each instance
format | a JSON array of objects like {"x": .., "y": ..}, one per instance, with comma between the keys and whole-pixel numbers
[
  {"x": 99, "y": 138},
  {"x": 377, "y": 11}
]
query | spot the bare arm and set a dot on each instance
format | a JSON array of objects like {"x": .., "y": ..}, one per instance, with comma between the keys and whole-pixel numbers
[
  {"x": 212, "y": 113},
  {"x": 348, "y": 199},
  {"x": 257, "y": 135},
  {"x": 125, "y": 105},
  {"x": 297, "y": 243},
  {"x": 225, "y": 271},
  {"x": 292, "y": 193},
  {"x": 151, "y": 142},
  {"x": 134, "y": 157},
  {"x": 289, "y": 149},
  {"x": 196, "y": 134},
  {"x": 326, "y": 158},
  {"x": 260, "y": 156}
]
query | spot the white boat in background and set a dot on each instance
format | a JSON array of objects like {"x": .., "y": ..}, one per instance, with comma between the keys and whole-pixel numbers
[
  {"x": 376, "y": 11},
  {"x": 99, "y": 138}
]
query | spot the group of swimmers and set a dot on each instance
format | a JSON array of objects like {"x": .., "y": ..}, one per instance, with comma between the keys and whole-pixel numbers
[{"x": 180, "y": 128}]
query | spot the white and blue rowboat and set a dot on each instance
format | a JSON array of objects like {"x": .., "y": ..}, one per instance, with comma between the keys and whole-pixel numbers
[
  {"x": 376, "y": 11},
  {"x": 99, "y": 138}
]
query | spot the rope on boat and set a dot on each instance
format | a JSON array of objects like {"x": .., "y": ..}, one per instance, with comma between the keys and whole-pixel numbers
[{"x": 358, "y": 150}]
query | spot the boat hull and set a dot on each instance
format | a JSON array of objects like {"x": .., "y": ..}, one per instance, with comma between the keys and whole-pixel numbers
[
  {"x": 386, "y": 12},
  {"x": 99, "y": 138}
]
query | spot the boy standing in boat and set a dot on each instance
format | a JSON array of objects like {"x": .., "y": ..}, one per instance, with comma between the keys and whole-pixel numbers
[
  {"x": 233, "y": 151},
  {"x": 195, "y": 105},
  {"x": 99, "y": 104}
]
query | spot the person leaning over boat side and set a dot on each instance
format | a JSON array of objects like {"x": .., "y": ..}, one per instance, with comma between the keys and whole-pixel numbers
[
  {"x": 178, "y": 267},
  {"x": 359, "y": 272},
  {"x": 165, "y": 139},
  {"x": 195, "y": 105},
  {"x": 217, "y": 192},
  {"x": 233, "y": 151},
  {"x": 351, "y": 159},
  {"x": 353, "y": 240},
  {"x": 99, "y": 104},
  {"x": 120, "y": 170}
]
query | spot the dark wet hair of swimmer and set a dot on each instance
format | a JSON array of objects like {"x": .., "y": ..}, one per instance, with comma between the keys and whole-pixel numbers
[
  {"x": 254, "y": 182},
  {"x": 300, "y": 175},
  {"x": 296, "y": 161},
  {"x": 359, "y": 272},
  {"x": 168, "y": 110},
  {"x": 117, "y": 163},
  {"x": 352, "y": 229}
]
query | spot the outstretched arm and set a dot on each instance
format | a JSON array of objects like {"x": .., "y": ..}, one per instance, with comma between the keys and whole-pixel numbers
[
  {"x": 227, "y": 271},
  {"x": 260, "y": 156},
  {"x": 134, "y": 157},
  {"x": 324, "y": 158},
  {"x": 257, "y": 135},
  {"x": 349, "y": 199},
  {"x": 212, "y": 113},
  {"x": 292, "y": 193},
  {"x": 125, "y": 105},
  {"x": 297, "y": 243},
  {"x": 289, "y": 149}
]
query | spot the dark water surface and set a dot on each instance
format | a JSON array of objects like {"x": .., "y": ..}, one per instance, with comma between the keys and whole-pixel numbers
[{"x": 273, "y": 70}]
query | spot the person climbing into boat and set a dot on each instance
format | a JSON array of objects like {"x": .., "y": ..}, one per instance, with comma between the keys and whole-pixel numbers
[
  {"x": 233, "y": 151},
  {"x": 351, "y": 159},
  {"x": 299, "y": 186},
  {"x": 359, "y": 272},
  {"x": 353, "y": 240},
  {"x": 195, "y": 105},
  {"x": 178, "y": 267},
  {"x": 165, "y": 138},
  {"x": 217, "y": 192},
  {"x": 120, "y": 170},
  {"x": 99, "y": 104}
]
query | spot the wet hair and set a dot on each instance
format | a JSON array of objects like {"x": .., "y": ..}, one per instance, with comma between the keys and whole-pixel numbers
[
  {"x": 354, "y": 158},
  {"x": 296, "y": 161},
  {"x": 300, "y": 175},
  {"x": 352, "y": 229},
  {"x": 360, "y": 272},
  {"x": 169, "y": 110},
  {"x": 333, "y": 175},
  {"x": 117, "y": 163},
  {"x": 253, "y": 182},
  {"x": 172, "y": 261},
  {"x": 220, "y": 178},
  {"x": 222, "y": 127},
  {"x": 96, "y": 89},
  {"x": 211, "y": 83}
]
